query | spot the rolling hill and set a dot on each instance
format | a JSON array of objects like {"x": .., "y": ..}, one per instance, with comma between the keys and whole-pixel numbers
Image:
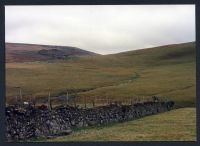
[
  {"x": 31, "y": 52},
  {"x": 167, "y": 71}
]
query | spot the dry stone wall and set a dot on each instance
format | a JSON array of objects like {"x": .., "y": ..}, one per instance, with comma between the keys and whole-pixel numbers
[{"x": 28, "y": 122}]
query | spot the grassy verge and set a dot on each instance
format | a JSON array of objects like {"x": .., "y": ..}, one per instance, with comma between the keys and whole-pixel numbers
[{"x": 176, "y": 125}]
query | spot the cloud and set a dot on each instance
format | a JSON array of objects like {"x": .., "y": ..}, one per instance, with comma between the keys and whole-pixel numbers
[{"x": 101, "y": 29}]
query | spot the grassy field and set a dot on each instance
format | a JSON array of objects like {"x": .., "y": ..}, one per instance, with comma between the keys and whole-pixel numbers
[
  {"x": 167, "y": 71},
  {"x": 175, "y": 125}
]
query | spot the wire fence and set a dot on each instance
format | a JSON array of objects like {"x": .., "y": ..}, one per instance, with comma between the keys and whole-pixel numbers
[{"x": 76, "y": 101}]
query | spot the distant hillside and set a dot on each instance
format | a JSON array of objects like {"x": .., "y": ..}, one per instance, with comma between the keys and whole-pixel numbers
[
  {"x": 162, "y": 55},
  {"x": 166, "y": 71},
  {"x": 31, "y": 52}
]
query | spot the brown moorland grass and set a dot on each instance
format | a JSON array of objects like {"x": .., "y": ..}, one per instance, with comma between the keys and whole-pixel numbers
[{"x": 167, "y": 71}]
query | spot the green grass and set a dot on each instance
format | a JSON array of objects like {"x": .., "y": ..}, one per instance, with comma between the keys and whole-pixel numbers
[
  {"x": 167, "y": 71},
  {"x": 175, "y": 125}
]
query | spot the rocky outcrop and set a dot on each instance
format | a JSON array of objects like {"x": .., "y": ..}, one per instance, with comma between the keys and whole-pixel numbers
[
  {"x": 28, "y": 122},
  {"x": 53, "y": 53},
  {"x": 62, "y": 52},
  {"x": 17, "y": 52}
]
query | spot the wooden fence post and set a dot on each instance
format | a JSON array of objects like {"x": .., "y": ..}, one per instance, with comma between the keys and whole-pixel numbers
[
  {"x": 93, "y": 102},
  {"x": 34, "y": 101},
  {"x": 49, "y": 101},
  {"x": 85, "y": 101},
  {"x": 50, "y": 104},
  {"x": 74, "y": 101},
  {"x": 20, "y": 92},
  {"x": 66, "y": 100},
  {"x": 16, "y": 100}
]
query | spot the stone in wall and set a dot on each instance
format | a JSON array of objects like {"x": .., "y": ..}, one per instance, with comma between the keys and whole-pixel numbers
[{"x": 28, "y": 122}]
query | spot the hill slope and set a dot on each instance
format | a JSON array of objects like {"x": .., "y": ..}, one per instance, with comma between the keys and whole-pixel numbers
[
  {"x": 167, "y": 71},
  {"x": 31, "y": 52}
]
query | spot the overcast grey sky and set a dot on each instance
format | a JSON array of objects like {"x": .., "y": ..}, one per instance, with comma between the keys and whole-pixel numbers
[{"x": 101, "y": 29}]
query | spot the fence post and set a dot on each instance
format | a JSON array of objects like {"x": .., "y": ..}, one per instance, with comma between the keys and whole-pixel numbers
[
  {"x": 49, "y": 101},
  {"x": 93, "y": 101},
  {"x": 16, "y": 100},
  {"x": 20, "y": 93},
  {"x": 50, "y": 104},
  {"x": 74, "y": 101},
  {"x": 34, "y": 101},
  {"x": 66, "y": 100},
  {"x": 85, "y": 101}
]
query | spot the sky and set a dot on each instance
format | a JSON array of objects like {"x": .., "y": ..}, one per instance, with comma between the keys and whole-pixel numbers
[{"x": 103, "y": 29}]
